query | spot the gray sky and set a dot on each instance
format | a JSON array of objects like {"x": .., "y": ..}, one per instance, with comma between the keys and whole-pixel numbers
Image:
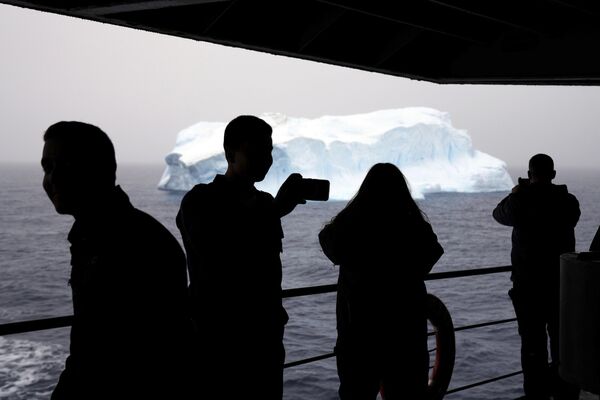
[{"x": 142, "y": 88}]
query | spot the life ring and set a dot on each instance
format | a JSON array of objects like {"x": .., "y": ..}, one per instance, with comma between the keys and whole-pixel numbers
[{"x": 445, "y": 348}]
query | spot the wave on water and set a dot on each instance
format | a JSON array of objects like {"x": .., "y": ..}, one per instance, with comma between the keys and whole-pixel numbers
[{"x": 28, "y": 364}]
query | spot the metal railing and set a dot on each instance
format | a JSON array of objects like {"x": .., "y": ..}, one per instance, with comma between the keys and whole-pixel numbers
[
  {"x": 65, "y": 321},
  {"x": 312, "y": 290}
]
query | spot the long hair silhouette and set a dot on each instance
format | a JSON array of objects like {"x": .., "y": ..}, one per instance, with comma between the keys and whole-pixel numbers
[{"x": 383, "y": 191}]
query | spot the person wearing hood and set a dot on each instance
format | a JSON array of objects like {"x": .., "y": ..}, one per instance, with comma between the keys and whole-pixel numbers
[{"x": 543, "y": 216}]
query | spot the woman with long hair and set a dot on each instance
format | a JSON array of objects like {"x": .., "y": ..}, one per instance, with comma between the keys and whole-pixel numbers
[{"x": 385, "y": 247}]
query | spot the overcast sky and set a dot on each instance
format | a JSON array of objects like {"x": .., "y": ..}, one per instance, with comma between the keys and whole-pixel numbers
[{"x": 142, "y": 88}]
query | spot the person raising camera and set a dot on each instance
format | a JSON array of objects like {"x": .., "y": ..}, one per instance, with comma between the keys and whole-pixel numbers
[
  {"x": 543, "y": 216},
  {"x": 232, "y": 235}
]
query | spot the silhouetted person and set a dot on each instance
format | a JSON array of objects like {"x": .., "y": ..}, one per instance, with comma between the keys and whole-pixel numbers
[
  {"x": 128, "y": 278},
  {"x": 385, "y": 248},
  {"x": 232, "y": 235},
  {"x": 543, "y": 216}
]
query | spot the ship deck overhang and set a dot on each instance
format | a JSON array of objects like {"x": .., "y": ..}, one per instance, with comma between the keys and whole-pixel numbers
[{"x": 547, "y": 42}]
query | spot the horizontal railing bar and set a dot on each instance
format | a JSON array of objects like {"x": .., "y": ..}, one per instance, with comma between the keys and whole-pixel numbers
[
  {"x": 468, "y": 272},
  {"x": 462, "y": 328},
  {"x": 35, "y": 325},
  {"x": 61, "y": 322},
  {"x": 308, "y": 290},
  {"x": 484, "y": 382},
  {"x": 481, "y": 325},
  {"x": 500, "y": 321},
  {"x": 65, "y": 321},
  {"x": 308, "y": 360}
]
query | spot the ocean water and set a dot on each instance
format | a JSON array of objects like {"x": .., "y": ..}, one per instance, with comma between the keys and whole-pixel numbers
[{"x": 34, "y": 269}]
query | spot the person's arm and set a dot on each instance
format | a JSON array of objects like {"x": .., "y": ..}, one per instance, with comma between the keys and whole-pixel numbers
[
  {"x": 193, "y": 220},
  {"x": 327, "y": 242},
  {"x": 575, "y": 211},
  {"x": 433, "y": 250},
  {"x": 289, "y": 196},
  {"x": 506, "y": 211}
]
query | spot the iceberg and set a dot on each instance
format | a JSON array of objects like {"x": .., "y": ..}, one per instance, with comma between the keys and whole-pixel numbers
[{"x": 433, "y": 155}]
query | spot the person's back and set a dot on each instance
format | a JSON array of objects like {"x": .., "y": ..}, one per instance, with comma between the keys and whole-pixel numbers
[
  {"x": 232, "y": 236},
  {"x": 543, "y": 216},
  {"x": 130, "y": 307},
  {"x": 385, "y": 248},
  {"x": 130, "y": 329}
]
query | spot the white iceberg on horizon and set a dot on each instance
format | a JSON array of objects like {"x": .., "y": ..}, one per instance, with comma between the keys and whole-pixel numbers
[{"x": 433, "y": 155}]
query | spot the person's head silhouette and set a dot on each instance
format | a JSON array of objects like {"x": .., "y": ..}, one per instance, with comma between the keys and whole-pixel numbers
[
  {"x": 541, "y": 169},
  {"x": 248, "y": 145},
  {"x": 383, "y": 191},
  {"x": 79, "y": 166},
  {"x": 384, "y": 185}
]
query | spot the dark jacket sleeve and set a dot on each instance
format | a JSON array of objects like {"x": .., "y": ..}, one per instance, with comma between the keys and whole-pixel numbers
[
  {"x": 506, "y": 212},
  {"x": 194, "y": 223},
  {"x": 574, "y": 211},
  {"x": 430, "y": 249},
  {"x": 327, "y": 240}
]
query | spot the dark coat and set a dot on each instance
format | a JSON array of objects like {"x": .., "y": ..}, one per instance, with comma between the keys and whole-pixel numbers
[
  {"x": 543, "y": 217},
  {"x": 131, "y": 328},
  {"x": 381, "y": 302},
  {"x": 232, "y": 235},
  {"x": 383, "y": 262}
]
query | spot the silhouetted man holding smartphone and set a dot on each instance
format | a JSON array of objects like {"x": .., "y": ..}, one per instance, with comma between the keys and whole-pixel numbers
[
  {"x": 233, "y": 238},
  {"x": 543, "y": 216},
  {"x": 131, "y": 329}
]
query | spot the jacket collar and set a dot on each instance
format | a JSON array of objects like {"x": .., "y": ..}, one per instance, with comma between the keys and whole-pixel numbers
[{"x": 114, "y": 205}]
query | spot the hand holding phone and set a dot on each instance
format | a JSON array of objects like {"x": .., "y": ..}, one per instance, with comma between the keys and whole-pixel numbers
[
  {"x": 296, "y": 190},
  {"x": 522, "y": 182}
]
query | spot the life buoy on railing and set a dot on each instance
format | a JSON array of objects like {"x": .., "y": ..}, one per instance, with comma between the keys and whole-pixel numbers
[
  {"x": 443, "y": 362},
  {"x": 445, "y": 348}
]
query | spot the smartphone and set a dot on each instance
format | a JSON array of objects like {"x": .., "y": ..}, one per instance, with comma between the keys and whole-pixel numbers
[
  {"x": 523, "y": 181},
  {"x": 315, "y": 189}
]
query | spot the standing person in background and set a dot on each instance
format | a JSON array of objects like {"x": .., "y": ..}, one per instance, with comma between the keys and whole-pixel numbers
[
  {"x": 130, "y": 327},
  {"x": 385, "y": 248},
  {"x": 543, "y": 216},
  {"x": 232, "y": 235}
]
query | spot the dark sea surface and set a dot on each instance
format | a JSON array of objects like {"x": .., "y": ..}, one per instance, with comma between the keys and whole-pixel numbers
[{"x": 34, "y": 269}]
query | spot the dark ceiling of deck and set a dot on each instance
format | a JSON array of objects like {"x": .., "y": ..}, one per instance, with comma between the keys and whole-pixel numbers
[{"x": 444, "y": 41}]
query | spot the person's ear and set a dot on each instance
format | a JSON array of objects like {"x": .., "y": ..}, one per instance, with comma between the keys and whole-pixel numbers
[
  {"x": 229, "y": 156},
  {"x": 553, "y": 175},
  {"x": 529, "y": 174}
]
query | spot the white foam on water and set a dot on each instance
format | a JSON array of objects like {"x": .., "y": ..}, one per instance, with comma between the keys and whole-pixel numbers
[{"x": 26, "y": 368}]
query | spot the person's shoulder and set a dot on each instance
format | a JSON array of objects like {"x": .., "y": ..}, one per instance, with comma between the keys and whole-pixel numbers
[
  {"x": 146, "y": 242},
  {"x": 573, "y": 201},
  {"x": 562, "y": 190},
  {"x": 265, "y": 196},
  {"x": 146, "y": 225},
  {"x": 202, "y": 192},
  {"x": 420, "y": 226},
  {"x": 201, "y": 189}
]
